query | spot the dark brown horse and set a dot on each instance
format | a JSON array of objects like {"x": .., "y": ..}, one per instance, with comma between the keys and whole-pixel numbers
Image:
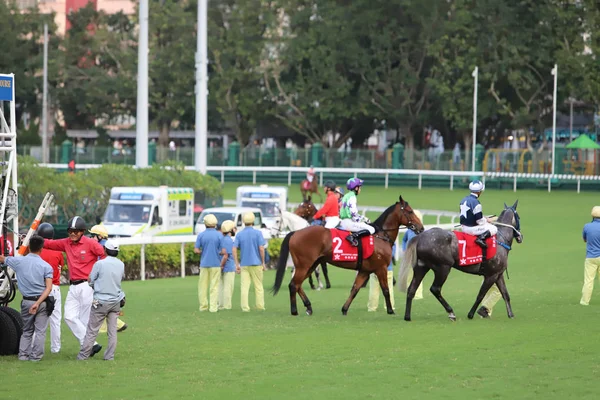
[
  {"x": 307, "y": 210},
  {"x": 437, "y": 250},
  {"x": 313, "y": 187},
  {"x": 312, "y": 245}
]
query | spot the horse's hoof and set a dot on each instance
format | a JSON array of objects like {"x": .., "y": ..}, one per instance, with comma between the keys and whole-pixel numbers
[
  {"x": 391, "y": 312},
  {"x": 308, "y": 312},
  {"x": 295, "y": 313},
  {"x": 328, "y": 286},
  {"x": 452, "y": 317},
  {"x": 511, "y": 316},
  {"x": 344, "y": 312},
  {"x": 471, "y": 315},
  {"x": 407, "y": 319}
]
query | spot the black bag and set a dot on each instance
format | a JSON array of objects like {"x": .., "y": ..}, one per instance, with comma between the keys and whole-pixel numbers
[
  {"x": 122, "y": 302},
  {"x": 50, "y": 302}
]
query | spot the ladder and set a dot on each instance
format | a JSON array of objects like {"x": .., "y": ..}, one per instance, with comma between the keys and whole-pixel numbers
[{"x": 8, "y": 181}]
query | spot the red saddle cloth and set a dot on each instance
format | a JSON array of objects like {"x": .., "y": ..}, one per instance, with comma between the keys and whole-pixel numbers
[
  {"x": 344, "y": 251},
  {"x": 306, "y": 185},
  {"x": 469, "y": 252}
]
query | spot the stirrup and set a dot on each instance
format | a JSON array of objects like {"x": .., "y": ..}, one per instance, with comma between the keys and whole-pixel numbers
[{"x": 352, "y": 239}]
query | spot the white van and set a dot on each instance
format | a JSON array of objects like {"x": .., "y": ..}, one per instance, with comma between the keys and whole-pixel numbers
[
  {"x": 149, "y": 211},
  {"x": 270, "y": 199},
  {"x": 232, "y": 213}
]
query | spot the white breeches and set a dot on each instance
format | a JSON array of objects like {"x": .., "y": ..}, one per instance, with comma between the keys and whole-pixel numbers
[
  {"x": 309, "y": 178},
  {"x": 479, "y": 229},
  {"x": 353, "y": 226},
  {"x": 331, "y": 222}
]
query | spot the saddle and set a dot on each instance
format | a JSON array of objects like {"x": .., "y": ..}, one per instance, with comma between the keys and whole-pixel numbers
[
  {"x": 469, "y": 252},
  {"x": 344, "y": 251}
]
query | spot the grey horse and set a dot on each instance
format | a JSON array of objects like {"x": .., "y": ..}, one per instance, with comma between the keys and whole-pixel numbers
[{"x": 437, "y": 249}]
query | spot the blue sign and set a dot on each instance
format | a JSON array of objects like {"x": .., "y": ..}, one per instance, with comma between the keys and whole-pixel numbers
[
  {"x": 131, "y": 196},
  {"x": 261, "y": 195},
  {"x": 6, "y": 88}
]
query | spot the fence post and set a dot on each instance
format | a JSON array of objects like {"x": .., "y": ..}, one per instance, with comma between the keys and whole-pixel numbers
[
  {"x": 183, "y": 260},
  {"x": 515, "y": 184},
  {"x": 290, "y": 178},
  {"x": 143, "y": 262},
  {"x": 386, "y": 180},
  {"x": 222, "y": 176},
  {"x": 451, "y": 182},
  {"x": 420, "y": 181},
  {"x": 254, "y": 177},
  {"x": 578, "y": 184}
]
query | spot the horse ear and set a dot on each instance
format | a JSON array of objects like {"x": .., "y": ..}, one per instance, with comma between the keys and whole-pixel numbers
[
  {"x": 401, "y": 200},
  {"x": 514, "y": 207},
  {"x": 505, "y": 206}
]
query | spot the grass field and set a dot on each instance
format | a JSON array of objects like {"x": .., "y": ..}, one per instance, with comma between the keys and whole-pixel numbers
[{"x": 171, "y": 351}]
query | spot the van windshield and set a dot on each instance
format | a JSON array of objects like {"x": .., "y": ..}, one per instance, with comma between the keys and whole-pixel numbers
[
  {"x": 221, "y": 216},
  {"x": 133, "y": 213},
  {"x": 268, "y": 209}
]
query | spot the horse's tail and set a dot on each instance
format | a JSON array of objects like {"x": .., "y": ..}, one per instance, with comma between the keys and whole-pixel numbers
[
  {"x": 408, "y": 263},
  {"x": 281, "y": 264}
]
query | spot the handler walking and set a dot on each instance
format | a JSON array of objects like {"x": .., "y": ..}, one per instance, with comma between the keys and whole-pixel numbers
[
  {"x": 252, "y": 245},
  {"x": 591, "y": 236}
]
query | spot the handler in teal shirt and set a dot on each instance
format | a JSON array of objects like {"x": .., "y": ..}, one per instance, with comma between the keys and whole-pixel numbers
[
  {"x": 208, "y": 245},
  {"x": 251, "y": 243}
]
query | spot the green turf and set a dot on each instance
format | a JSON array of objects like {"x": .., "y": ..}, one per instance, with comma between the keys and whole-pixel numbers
[{"x": 172, "y": 351}]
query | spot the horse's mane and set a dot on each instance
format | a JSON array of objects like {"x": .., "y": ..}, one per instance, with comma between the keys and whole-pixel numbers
[{"x": 381, "y": 219}]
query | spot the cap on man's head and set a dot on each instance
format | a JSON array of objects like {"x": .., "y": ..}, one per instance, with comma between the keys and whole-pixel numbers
[
  {"x": 111, "y": 245},
  {"x": 248, "y": 217},
  {"x": 596, "y": 212}
]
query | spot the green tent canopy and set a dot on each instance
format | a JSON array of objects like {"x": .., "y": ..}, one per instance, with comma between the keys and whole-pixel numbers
[{"x": 583, "y": 142}]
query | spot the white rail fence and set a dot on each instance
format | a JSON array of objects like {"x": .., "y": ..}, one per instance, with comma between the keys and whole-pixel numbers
[{"x": 547, "y": 178}]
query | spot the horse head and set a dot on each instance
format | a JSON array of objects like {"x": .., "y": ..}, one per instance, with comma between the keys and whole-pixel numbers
[
  {"x": 513, "y": 220},
  {"x": 408, "y": 217},
  {"x": 306, "y": 209}
]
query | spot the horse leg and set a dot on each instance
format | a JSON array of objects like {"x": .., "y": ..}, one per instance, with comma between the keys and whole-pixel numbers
[
  {"x": 318, "y": 275},
  {"x": 383, "y": 283},
  {"x": 502, "y": 288},
  {"x": 441, "y": 274},
  {"x": 305, "y": 300},
  {"x": 488, "y": 281},
  {"x": 295, "y": 286},
  {"x": 361, "y": 277},
  {"x": 326, "y": 275},
  {"x": 418, "y": 275},
  {"x": 310, "y": 281}
]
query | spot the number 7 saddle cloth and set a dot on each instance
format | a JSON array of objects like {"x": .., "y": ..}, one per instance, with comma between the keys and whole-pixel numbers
[
  {"x": 469, "y": 252},
  {"x": 342, "y": 250}
]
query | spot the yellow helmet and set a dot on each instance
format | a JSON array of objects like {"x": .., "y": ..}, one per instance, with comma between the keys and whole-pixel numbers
[
  {"x": 227, "y": 226},
  {"x": 99, "y": 230},
  {"x": 248, "y": 217},
  {"x": 596, "y": 212},
  {"x": 210, "y": 221}
]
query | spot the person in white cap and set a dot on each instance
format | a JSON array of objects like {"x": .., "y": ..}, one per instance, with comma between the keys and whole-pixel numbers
[
  {"x": 105, "y": 279},
  {"x": 251, "y": 264},
  {"x": 227, "y": 280},
  {"x": 591, "y": 236},
  {"x": 471, "y": 216}
]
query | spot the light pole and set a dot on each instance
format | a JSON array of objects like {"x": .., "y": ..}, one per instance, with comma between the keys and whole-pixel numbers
[
  {"x": 201, "y": 88},
  {"x": 555, "y": 73},
  {"x": 475, "y": 75},
  {"x": 141, "y": 120},
  {"x": 45, "y": 100}
]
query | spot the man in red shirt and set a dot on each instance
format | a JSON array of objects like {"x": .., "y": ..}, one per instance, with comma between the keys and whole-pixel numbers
[
  {"x": 331, "y": 208},
  {"x": 82, "y": 252},
  {"x": 56, "y": 261}
]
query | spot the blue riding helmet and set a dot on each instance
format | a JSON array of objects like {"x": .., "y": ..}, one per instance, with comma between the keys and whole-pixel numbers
[{"x": 354, "y": 183}]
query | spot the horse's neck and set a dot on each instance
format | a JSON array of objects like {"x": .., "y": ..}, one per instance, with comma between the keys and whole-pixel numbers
[
  {"x": 391, "y": 226},
  {"x": 293, "y": 221}
]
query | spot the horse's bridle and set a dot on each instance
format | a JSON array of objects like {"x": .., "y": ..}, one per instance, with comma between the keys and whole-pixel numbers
[
  {"x": 410, "y": 226},
  {"x": 517, "y": 233}
]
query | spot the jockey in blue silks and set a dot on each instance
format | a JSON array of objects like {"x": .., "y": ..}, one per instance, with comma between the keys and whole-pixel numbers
[{"x": 471, "y": 216}]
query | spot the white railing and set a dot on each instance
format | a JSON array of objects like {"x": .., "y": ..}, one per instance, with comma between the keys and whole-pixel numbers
[
  {"x": 364, "y": 209},
  {"x": 548, "y": 178},
  {"x": 145, "y": 240}
]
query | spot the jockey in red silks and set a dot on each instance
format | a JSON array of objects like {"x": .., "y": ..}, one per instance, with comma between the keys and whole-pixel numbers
[{"x": 331, "y": 208}]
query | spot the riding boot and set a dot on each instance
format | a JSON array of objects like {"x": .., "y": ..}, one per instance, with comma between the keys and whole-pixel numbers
[
  {"x": 481, "y": 242},
  {"x": 355, "y": 236}
]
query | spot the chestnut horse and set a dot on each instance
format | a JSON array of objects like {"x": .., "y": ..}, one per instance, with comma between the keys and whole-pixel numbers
[
  {"x": 312, "y": 245},
  {"x": 313, "y": 187},
  {"x": 307, "y": 210}
]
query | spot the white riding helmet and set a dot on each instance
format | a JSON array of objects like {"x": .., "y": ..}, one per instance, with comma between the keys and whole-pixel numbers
[{"x": 476, "y": 186}]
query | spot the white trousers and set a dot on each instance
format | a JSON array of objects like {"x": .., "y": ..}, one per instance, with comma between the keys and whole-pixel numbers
[
  {"x": 331, "y": 222},
  {"x": 77, "y": 309},
  {"x": 479, "y": 229},
  {"x": 55, "y": 320},
  {"x": 353, "y": 226}
]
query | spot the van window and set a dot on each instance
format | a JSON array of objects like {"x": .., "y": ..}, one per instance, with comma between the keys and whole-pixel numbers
[
  {"x": 182, "y": 208},
  {"x": 257, "y": 220},
  {"x": 239, "y": 220}
]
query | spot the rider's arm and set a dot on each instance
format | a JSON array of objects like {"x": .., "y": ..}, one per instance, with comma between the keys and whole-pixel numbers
[
  {"x": 352, "y": 206},
  {"x": 478, "y": 214}
]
